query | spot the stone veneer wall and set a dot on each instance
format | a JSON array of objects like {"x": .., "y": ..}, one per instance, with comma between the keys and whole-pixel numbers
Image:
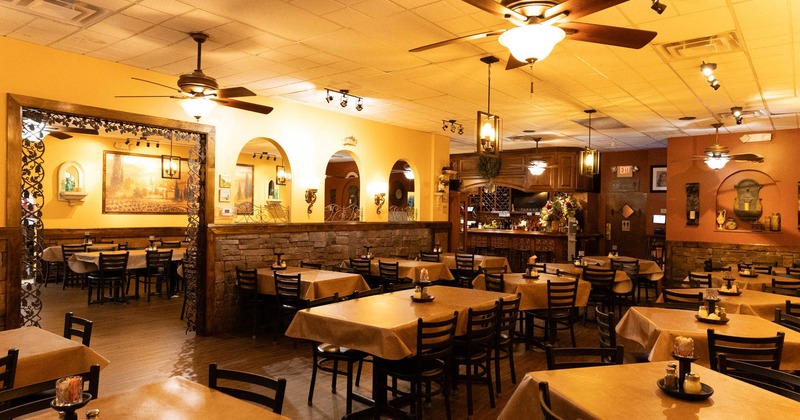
[
  {"x": 683, "y": 257},
  {"x": 254, "y": 246},
  {"x": 10, "y": 315}
]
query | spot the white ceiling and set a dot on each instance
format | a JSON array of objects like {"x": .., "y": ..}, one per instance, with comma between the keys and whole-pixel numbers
[{"x": 294, "y": 49}]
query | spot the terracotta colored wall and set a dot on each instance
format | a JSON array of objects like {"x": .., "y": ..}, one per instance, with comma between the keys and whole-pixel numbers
[{"x": 780, "y": 164}]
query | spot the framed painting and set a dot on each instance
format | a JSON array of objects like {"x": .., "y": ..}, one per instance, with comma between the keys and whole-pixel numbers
[
  {"x": 242, "y": 192},
  {"x": 224, "y": 195},
  {"x": 225, "y": 181},
  {"x": 132, "y": 184},
  {"x": 658, "y": 179}
]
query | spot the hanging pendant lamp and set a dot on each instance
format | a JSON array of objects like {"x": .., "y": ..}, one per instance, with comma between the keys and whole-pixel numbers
[
  {"x": 538, "y": 164},
  {"x": 170, "y": 165},
  {"x": 489, "y": 129},
  {"x": 590, "y": 158}
]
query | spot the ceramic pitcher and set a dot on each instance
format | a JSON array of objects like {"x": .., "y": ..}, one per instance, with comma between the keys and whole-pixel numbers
[{"x": 721, "y": 217}]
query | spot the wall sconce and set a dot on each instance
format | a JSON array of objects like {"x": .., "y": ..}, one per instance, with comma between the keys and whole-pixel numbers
[
  {"x": 311, "y": 198},
  {"x": 380, "y": 200},
  {"x": 345, "y": 95},
  {"x": 280, "y": 175},
  {"x": 453, "y": 126}
]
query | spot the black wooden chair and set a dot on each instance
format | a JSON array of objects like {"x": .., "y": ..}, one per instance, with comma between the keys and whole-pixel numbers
[
  {"x": 429, "y": 256},
  {"x": 792, "y": 308},
  {"x": 687, "y": 300},
  {"x": 287, "y": 298},
  {"x": 779, "y": 382},
  {"x": 494, "y": 282},
  {"x": 430, "y": 364},
  {"x": 606, "y": 328},
  {"x": 793, "y": 272},
  {"x": 602, "y": 281},
  {"x": 465, "y": 270},
  {"x": 78, "y": 327},
  {"x": 156, "y": 273},
  {"x": 560, "y": 313},
  {"x": 389, "y": 274},
  {"x": 247, "y": 284},
  {"x": 544, "y": 402},
  {"x": 507, "y": 314},
  {"x": 112, "y": 274},
  {"x": 67, "y": 251},
  {"x": 241, "y": 384},
  {"x": 780, "y": 286},
  {"x": 9, "y": 372},
  {"x": 170, "y": 244},
  {"x": 576, "y": 357},
  {"x": 20, "y": 406},
  {"x": 363, "y": 267},
  {"x": 307, "y": 264},
  {"x": 762, "y": 351},
  {"x": 473, "y": 351},
  {"x": 789, "y": 321}
]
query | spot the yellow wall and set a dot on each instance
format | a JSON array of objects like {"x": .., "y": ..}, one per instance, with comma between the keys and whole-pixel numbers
[{"x": 307, "y": 136}]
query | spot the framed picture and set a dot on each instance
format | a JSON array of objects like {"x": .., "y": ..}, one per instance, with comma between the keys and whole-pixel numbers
[
  {"x": 225, "y": 181},
  {"x": 658, "y": 179},
  {"x": 132, "y": 184},
  {"x": 242, "y": 190},
  {"x": 224, "y": 195}
]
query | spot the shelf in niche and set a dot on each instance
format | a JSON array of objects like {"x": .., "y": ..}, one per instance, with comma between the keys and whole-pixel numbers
[{"x": 745, "y": 231}]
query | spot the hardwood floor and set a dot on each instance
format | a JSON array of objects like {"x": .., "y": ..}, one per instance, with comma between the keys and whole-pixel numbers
[{"x": 145, "y": 342}]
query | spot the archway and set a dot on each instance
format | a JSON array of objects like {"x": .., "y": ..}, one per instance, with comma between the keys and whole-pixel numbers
[
  {"x": 402, "y": 197},
  {"x": 260, "y": 184},
  {"x": 342, "y": 188}
]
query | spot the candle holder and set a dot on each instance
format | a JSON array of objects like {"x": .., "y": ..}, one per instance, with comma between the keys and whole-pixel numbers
[
  {"x": 368, "y": 255},
  {"x": 279, "y": 263},
  {"x": 421, "y": 293},
  {"x": 68, "y": 410},
  {"x": 684, "y": 367},
  {"x": 530, "y": 272},
  {"x": 437, "y": 248},
  {"x": 86, "y": 240}
]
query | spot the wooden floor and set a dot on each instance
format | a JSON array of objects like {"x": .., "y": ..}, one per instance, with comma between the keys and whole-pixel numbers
[{"x": 145, "y": 342}]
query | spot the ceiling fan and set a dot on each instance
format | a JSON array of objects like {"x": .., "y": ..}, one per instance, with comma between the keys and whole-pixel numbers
[
  {"x": 197, "y": 85},
  {"x": 538, "y": 163},
  {"x": 62, "y": 133},
  {"x": 542, "y": 24},
  {"x": 717, "y": 156}
]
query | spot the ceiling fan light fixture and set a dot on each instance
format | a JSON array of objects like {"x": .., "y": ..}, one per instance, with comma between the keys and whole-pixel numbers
[
  {"x": 537, "y": 167},
  {"x": 197, "y": 107},
  {"x": 532, "y": 42},
  {"x": 717, "y": 162}
]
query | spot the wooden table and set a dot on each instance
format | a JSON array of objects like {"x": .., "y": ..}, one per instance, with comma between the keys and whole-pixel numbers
[
  {"x": 534, "y": 292},
  {"x": 175, "y": 398},
  {"x": 314, "y": 284},
  {"x": 750, "y": 283},
  {"x": 656, "y": 328},
  {"x": 630, "y": 392},
  {"x": 53, "y": 253},
  {"x": 411, "y": 269},
  {"x": 86, "y": 262},
  {"x": 750, "y": 302},
  {"x": 45, "y": 357},
  {"x": 481, "y": 261},
  {"x": 622, "y": 283}
]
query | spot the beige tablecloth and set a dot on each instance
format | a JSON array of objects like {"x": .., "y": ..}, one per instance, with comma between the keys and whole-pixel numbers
[
  {"x": 314, "y": 284},
  {"x": 629, "y": 392},
  {"x": 175, "y": 398},
  {"x": 656, "y": 328},
  {"x": 386, "y": 325},
  {"x": 53, "y": 253},
  {"x": 647, "y": 268},
  {"x": 750, "y": 302},
  {"x": 622, "y": 283},
  {"x": 750, "y": 283},
  {"x": 481, "y": 261},
  {"x": 44, "y": 356},
  {"x": 86, "y": 262},
  {"x": 411, "y": 269},
  {"x": 534, "y": 292}
]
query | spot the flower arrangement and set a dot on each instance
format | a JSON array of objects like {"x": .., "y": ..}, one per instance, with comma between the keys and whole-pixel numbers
[{"x": 561, "y": 207}]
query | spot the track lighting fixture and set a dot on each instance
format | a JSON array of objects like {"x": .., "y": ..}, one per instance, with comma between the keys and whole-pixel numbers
[
  {"x": 344, "y": 99},
  {"x": 265, "y": 155},
  {"x": 736, "y": 111},
  {"x": 138, "y": 142},
  {"x": 157, "y": 144},
  {"x": 658, "y": 7},
  {"x": 453, "y": 126},
  {"x": 148, "y": 144},
  {"x": 127, "y": 141},
  {"x": 708, "y": 71}
]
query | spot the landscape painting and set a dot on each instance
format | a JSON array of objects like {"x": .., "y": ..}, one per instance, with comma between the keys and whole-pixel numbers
[
  {"x": 132, "y": 184},
  {"x": 243, "y": 189}
]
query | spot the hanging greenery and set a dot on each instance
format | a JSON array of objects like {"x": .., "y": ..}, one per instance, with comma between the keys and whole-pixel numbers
[{"x": 488, "y": 167}]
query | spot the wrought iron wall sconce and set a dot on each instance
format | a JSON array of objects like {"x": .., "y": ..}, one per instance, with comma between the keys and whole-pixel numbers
[
  {"x": 380, "y": 200},
  {"x": 311, "y": 198},
  {"x": 280, "y": 175}
]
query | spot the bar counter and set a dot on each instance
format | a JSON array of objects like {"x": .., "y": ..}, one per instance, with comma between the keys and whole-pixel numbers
[{"x": 508, "y": 240}]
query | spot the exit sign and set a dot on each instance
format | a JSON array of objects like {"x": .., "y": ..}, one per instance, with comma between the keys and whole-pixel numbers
[{"x": 625, "y": 171}]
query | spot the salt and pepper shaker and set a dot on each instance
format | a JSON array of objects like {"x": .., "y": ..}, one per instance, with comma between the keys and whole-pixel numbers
[
  {"x": 692, "y": 385},
  {"x": 93, "y": 414},
  {"x": 671, "y": 377}
]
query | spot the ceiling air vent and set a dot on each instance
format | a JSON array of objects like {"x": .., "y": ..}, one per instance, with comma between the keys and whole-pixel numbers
[
  {"x": 701, "y": 47},
  {"x": 73, "y": 12}
]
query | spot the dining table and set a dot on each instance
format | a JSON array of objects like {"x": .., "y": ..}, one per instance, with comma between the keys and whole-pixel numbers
[
  {"x": 622, "y": 283},
  {"x": 749, "y": 302},
  {"x": 656, "y": 328},
  {"x": 480, "y": 261},
  {"x": 175, "y": 398},
  {"x": 533, "y": 292},
  {"x": 411, "y": 269},
  {"x": 53, "y": 253},
  {"x": 385, "y": 325},
  {"x": 314, "y": 284},
  {"x": 748, "y": 281},
  {"x": 45, "y": 357},
  {"x": 647, "y": 268},
  {"x": 86, "y": 262},
  {"x": 629, "y": 391}
]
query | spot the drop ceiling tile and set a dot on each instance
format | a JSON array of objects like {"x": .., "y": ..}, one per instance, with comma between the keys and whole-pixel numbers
[
  {"x": 11, "y": 19},
  {"x": 121, "y": 26},
  {"x": 196, "y": 20},
  {"x": 146, "y": 14},
  {"x": 165, "y": 34},
  {"x": 377, "y": 8},
  {"x": 319, "y": 6},
  {"x": 172, "y": 7},
  {"x": 86, "y": 41},
  {"x": 42, "y": 31}
]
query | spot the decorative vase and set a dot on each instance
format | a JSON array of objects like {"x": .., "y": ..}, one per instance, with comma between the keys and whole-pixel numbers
[
  {"x": 555, "y": 225},
  {"x": 775, "y": 222},
  {"x": 721, "y": 217}
]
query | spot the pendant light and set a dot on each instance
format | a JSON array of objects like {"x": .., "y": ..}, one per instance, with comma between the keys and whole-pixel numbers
[
  {"x": 538, "y": 164},
  {"x": 489, "y": 128},
  {"x": 590, "y": 158},
  {"x": 170, "y": 165}
]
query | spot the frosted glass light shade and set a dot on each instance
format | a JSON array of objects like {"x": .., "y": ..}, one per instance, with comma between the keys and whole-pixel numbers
[
  {"x": 197, "y": 107},
  {"x": 532, "y": 42},
  {"x": 716, "y": 162}
]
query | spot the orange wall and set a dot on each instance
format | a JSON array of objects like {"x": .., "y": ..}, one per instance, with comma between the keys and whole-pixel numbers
[{"x": 780, "y": 163}]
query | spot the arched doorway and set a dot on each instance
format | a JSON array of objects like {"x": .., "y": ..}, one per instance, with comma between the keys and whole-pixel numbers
[
  {"x": 261, "y": 183},
  {"x": 342, "y": 188}
]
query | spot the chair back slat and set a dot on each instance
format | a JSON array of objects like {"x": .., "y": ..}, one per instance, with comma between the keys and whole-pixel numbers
[
  {"x": 762, "y": 351},
  {"x": 576, "y": 357},
  {"x": 671, "y": 296},
  {"x": 495, "y": 282},
  {"x": 246, "y": 379},
  {"x": 789, "y": 321},
  {"x": 78, "y": 327},
  {"x": 606, "y": 327},
  {"x": 429, "y": 256}
]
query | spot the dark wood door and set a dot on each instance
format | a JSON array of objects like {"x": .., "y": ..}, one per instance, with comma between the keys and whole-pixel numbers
[{"x": 633, "y": 242}]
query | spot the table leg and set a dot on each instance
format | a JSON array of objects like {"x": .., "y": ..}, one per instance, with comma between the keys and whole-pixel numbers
[{"x": 380, "y": 406}]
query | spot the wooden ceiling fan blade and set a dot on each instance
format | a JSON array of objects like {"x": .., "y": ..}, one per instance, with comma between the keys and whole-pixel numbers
[
  {"x": 608, "y": 35},
  {"x": 575, "y": 9},
  {"x": 155, "y": 83},
  {"x": 59, "y": 135},
  {"x": 234, "y": 92},
  {"x": 513, "y": 63},
  {"x": 247, "y": 106},
  {"x": 747, "y": 157},
  {"x": 498, "y": 9},
  {"x": 461, "y": 38},
  {"x": 151, "y": 96}
]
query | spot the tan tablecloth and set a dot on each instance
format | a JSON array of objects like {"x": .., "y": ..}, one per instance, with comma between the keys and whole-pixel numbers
[
  {"x": 314, "y": 284},
  {"x": 86, "y": 262},
  {"x": 646, "y": 267},
  {"x": 622, "y": 283},
  {"x": 656, "y": 328},
  {"x": 750, "y": 283},
  {"x": 750, "y": 302},
  {"x": 481, "y": 261},
  {"x": 410, "y": 269},
  {"x": 175, "y": 398},
  {"x": 386, "y": 325},
  {"x": 630, "y": 392},
  {"x": 44, "y": 356},
  {"x": 534, "y": 292},
  {"x": 53, "y": 253}
]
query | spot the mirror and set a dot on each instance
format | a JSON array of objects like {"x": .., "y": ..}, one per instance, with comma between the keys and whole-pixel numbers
[
  {"x": 401, "y": 192},
  {"x": 342, "y": 188}
]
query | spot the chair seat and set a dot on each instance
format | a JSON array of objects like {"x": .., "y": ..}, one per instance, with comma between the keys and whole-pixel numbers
[
  {"x": 332, "y": 350},
  {"x": 405, "y": 368}
]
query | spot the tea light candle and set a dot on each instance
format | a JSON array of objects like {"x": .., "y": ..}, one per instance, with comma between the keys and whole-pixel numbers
[
  {"x": 152, "y": 238},
  {"x": 532, "y": 259},
  {"x": 423, "y": 274},
  {"x": 684, "y": 346}
]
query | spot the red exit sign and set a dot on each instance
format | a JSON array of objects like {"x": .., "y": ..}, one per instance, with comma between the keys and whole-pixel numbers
[{"x": 625, "y": 171}]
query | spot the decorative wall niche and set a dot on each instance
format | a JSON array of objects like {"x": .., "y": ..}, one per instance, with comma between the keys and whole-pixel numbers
[
  {"x": 692, "y": 204},
  {"x": 743, "y": 198},
  {"x": 71, "y": 182}
]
